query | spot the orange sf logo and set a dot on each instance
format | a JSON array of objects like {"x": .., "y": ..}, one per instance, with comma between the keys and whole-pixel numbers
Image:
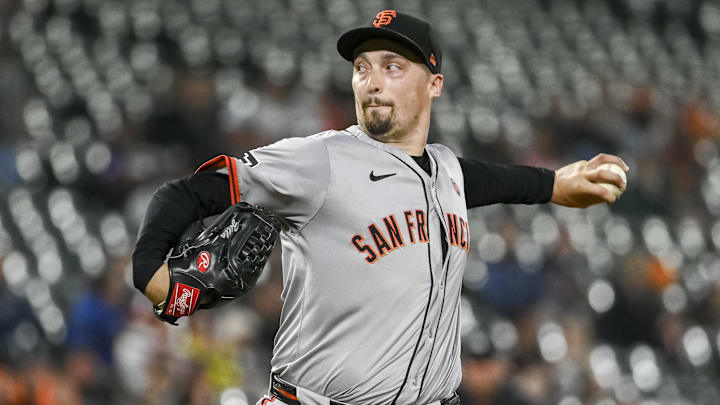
[{"x": 384, "y": 17}]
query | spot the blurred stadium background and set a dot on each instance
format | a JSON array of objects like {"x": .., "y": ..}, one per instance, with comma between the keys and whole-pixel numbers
[{"x": 102, "y": 101}]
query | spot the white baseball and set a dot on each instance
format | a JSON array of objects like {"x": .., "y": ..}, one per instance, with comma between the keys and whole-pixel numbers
[{"x": 617, "y": 169}]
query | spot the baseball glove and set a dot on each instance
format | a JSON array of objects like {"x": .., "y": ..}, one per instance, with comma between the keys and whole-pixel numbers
[{"x": 215, "y": 265}]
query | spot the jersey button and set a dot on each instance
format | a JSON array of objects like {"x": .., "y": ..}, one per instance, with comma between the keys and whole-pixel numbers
[
  {"x": 430, "y": 335},
  {"x": 414, "y": 382}
]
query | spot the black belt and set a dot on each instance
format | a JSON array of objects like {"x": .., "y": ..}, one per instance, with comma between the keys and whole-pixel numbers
[{"x": 288, "y": 394}]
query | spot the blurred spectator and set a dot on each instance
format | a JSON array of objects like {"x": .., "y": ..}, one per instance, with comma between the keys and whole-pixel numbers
[{"x": 99, "y": 315}]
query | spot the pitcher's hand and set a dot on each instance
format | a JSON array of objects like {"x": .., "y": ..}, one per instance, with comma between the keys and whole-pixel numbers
[{"x": 576, "y": 184}]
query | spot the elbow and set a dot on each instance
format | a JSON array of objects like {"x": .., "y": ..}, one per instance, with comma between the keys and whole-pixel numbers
[
  {"x": 143, "y": 270},
  {"x": 138, "y": 280}
]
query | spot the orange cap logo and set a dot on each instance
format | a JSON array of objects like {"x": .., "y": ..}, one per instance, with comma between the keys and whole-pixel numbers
[
  {"x": 384, "y": 17},
  {"x": 432, "y": 59}
]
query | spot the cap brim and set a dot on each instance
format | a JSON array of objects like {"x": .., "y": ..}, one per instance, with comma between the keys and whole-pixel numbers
[{"x": 352, "y": 39}]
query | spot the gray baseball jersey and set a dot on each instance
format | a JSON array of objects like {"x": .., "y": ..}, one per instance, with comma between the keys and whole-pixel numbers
[{"x": 370, "y": 305}]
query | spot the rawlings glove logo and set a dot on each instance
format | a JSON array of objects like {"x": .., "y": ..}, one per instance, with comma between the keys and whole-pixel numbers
[
  {"x": 203, "y": 261},
  {"x": 183, "y": 300},
  {"x": 182, "y": 304}
]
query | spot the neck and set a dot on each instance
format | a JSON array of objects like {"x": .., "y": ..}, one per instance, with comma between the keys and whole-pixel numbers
[
  {"x": 412, "y": 141},
  {"x": 413, "y": 144}
]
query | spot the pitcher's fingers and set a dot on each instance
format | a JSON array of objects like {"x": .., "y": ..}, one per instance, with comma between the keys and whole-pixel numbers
[
  {"x": 606, "y": 176},
  {"x": 601, "y": 192},
  {"x": 607, "y": 158}
]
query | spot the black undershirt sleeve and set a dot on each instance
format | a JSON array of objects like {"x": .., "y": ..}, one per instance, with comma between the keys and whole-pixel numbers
[
  {"x": 489, "y": 183},
  {"x": 172, "y": 208}
]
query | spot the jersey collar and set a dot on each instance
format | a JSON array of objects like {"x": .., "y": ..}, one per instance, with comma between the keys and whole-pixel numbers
[{"x": 359, "y": 134}]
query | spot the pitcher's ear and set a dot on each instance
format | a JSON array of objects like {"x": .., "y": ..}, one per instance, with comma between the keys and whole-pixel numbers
[{"x": 436, "y": 85}]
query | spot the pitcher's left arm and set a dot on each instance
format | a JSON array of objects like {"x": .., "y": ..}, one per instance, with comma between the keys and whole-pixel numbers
[{"x": 573, "y": 185}]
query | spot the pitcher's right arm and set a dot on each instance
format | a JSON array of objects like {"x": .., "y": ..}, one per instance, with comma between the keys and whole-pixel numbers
[
  {"x": 172, "y": 208},
  {"x": 289, "y": 177}
]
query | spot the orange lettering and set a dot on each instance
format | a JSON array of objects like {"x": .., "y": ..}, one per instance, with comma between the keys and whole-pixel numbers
[
  {"x": 382, "y": 245},
  {"x": 422, "y": 226},
  {"x": 410, "y": 225},
  {"x": 452, "y": 229},
  {"x": 394, "y": 231},
  {"x": 357, "y": 241}
]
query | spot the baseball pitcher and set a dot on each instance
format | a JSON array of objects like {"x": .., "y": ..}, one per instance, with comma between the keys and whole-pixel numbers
[{"x": 374, "y": 231}]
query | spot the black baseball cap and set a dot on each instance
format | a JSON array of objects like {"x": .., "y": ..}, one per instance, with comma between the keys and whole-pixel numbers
[{"x": 414, "y": 33}]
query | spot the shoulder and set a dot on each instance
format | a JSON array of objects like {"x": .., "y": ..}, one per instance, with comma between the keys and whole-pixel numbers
[
  {"x": 309, "y": 144},
  {"x": 334, "y": 141},
  {"x": 445, "y": 157},
  {"x": 317, "y": 140},
  {"x": 441, "y": 151}
]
